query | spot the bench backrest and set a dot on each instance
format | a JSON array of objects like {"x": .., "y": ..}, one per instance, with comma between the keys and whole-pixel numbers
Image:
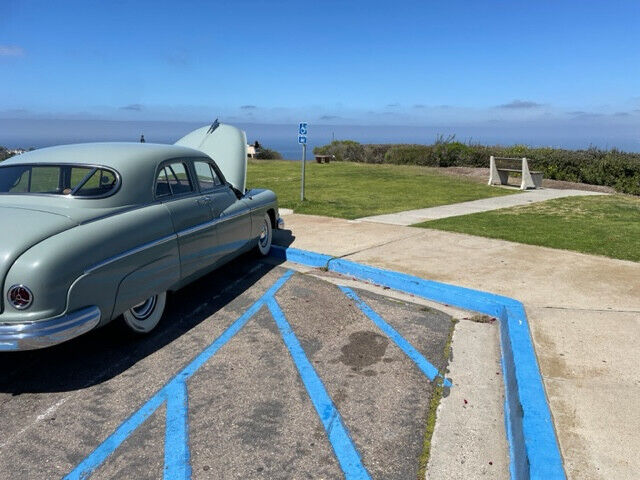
[{"x": 508, "y": 162}]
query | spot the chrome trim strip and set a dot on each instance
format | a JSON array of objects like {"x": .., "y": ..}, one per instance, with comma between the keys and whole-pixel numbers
[
  {"x": 48, "y": 332},
  {"x": 210, "y": 223},
  {"x": 132, "y": 251},
  {"x": 160, "y": 241}
]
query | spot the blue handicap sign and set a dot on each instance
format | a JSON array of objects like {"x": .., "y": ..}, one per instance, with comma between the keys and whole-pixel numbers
[
  {"x": 302, "y": 128},
  {"x": 302, "y": 139}
]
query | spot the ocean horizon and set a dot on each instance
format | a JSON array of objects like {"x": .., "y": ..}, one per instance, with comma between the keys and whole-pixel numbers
[{"x": 39, "y": 133}]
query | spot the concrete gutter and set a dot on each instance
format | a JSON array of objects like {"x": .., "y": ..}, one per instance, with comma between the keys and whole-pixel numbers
[{"x": 534, "y": 451}]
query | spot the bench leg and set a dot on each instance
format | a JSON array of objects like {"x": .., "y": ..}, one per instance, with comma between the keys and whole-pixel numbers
[
  {"x": 537, "y": 179},
  {"x": 496, "y": 177},
  {"x": 527, "y": 177}
]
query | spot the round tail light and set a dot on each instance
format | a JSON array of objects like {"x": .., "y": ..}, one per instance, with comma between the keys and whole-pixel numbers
[{"x": 20, "y": 297}]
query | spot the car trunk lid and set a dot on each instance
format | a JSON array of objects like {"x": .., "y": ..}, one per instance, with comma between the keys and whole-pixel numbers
[{"x": 23, "y": 228}]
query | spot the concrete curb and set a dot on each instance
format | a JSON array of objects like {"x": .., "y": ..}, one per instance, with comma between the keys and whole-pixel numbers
[{"x": 533, "y": 447}]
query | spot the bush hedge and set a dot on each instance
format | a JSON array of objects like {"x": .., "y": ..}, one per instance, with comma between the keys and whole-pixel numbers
[
  {"x": 267, "y": 154},
  {"x": 4, "y": 154},
  {"x": 614, "y": 168}
]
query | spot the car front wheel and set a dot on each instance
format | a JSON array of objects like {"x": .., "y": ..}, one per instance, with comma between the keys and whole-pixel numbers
[
  {"x": 145, "y": 316},
  {"x": 266, "y": 235}
]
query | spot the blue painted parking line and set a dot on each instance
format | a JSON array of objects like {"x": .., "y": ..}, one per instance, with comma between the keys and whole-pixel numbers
[
  {"x": 533, "y": 446},
  {"x": 175, "y": 461},
  {"x": 342, "y": 444},
  {"x": 176, "y": 439},
  {"x": 106, "y": 448},
  {"x": 422, "y": 363}
]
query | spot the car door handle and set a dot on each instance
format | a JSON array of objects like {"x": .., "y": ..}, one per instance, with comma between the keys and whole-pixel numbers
[{"x": 204, "y": 201}]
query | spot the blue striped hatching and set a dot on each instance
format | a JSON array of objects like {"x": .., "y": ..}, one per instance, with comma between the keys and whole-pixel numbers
[
  {"x": 342, "y": 444},
  {"x": 174, "y": 393},
  {"x": 533, "y": 446}
]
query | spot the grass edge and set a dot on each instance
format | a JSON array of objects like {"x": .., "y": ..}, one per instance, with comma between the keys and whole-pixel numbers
[{"x": 432, "y": 413}]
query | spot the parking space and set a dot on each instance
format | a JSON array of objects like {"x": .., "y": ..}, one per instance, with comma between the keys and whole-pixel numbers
[{"x": 257, "y": 371}]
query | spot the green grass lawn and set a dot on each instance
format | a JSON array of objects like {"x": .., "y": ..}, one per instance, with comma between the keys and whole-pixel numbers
[
  {"x": 353, "y": 190},
  {"x": 602, "y": 225}
]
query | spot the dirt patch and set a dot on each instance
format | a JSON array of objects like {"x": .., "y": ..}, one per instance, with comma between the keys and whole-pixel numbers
[
  {"x": 481, "y": 319},
  {"x": 364, "y": 349}
]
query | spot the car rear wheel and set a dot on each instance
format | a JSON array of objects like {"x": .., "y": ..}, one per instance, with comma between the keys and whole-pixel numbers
[
  {"x": 266, "y": 235},
  {"x": 145, "y": 316}
]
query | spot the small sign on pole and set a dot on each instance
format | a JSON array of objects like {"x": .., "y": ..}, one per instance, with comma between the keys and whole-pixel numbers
[{"x": 302, "y": 140}]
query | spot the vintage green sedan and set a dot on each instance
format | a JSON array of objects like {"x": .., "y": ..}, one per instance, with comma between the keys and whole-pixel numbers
[{"x": 97, "y": 232}]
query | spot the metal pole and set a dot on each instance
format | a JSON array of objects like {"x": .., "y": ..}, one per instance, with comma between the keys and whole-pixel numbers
[{"x": 304, "y": 161}]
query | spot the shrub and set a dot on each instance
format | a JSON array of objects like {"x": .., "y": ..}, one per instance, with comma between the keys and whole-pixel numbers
[
  {"x": 343, "y": 150},
  {"x": 620, "y": 170},
  {"x": 411, "y": 155},
  {"x": 4, "y": 154},
  {"x": 268, "y": 154}
]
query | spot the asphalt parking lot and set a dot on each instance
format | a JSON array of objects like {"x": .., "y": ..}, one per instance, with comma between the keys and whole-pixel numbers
[{"x": 256, "y": 371}]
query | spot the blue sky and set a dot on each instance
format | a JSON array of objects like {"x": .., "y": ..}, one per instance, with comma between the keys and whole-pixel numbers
[{"x": 476, "y": 63}]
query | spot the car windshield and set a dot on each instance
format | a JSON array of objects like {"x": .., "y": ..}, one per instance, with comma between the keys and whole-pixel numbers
[{"x": 74, "y": 180}]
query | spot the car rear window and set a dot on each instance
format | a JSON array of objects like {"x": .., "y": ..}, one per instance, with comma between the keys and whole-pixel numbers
[{"x": 73, "y": 180}]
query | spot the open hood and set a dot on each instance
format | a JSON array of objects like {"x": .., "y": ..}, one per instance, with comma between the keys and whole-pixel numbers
[{"x": 226, "y": 145}]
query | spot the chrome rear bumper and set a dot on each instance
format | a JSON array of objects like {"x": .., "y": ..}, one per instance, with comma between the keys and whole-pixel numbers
[{"x": 45, "y": 333}]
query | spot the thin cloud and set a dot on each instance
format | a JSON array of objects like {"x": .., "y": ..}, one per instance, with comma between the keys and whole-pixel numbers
[
  {"x": 419, "y": 105},
  {"x": 586, "y": 115},
  {"x": 521, "y": 105},
  {"x": 178, "y": 58},
  {"x": 248, "y": 107},
  {"x": 134, "y": 107},
  {"x": 11, "y": 51},
  {"x": 393, "y": 105},
  {"x": 14, "y": 111},
  {"x": 330, "y": 117}
]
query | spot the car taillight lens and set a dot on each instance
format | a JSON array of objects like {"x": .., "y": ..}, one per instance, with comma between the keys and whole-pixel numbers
[{"x": 20, "y": 297}]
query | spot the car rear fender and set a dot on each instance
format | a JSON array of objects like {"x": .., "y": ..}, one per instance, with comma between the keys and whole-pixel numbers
[{"x": 84, "y": 265}]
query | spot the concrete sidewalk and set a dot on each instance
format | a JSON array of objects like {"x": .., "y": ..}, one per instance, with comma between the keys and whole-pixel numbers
[
  {"x": 584, "y": 312},
  {"x": 411, "y": 217}
]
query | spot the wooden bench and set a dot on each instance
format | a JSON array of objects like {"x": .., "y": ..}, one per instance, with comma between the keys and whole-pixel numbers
[
  {"x": 499, "y": 175},
  {"x": 324, "y": 158}
]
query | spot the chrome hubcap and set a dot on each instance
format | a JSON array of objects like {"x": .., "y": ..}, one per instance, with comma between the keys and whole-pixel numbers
[
  {"x": 264, "y": 236},
  {"x": 144, "y": 309}
]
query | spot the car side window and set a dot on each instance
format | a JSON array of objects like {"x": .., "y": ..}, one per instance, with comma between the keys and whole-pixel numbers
[
  {"x": 162, "y": 184},
  {"x": 173, "y": 179},
  {"x": 205, "y": 175},
  {"x": 216, "y": 177}
]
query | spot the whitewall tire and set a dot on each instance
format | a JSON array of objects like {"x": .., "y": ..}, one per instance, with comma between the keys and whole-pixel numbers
[
  {"x": 266, "y": 235},
  {"x": 145, "y": 316}
]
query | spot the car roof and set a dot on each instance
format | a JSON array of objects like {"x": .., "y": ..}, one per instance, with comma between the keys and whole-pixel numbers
[
  {"x": 120, "y": 156},
  {"x": 135, "y": 162}
]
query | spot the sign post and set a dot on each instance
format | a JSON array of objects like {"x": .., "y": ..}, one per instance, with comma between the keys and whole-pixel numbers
[{"x": 302, "y": 140}]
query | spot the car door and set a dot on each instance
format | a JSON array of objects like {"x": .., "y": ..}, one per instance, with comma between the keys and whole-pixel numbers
[
  {"x": 231, "y": 215},
  {"x": 191, "y": 216}
]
